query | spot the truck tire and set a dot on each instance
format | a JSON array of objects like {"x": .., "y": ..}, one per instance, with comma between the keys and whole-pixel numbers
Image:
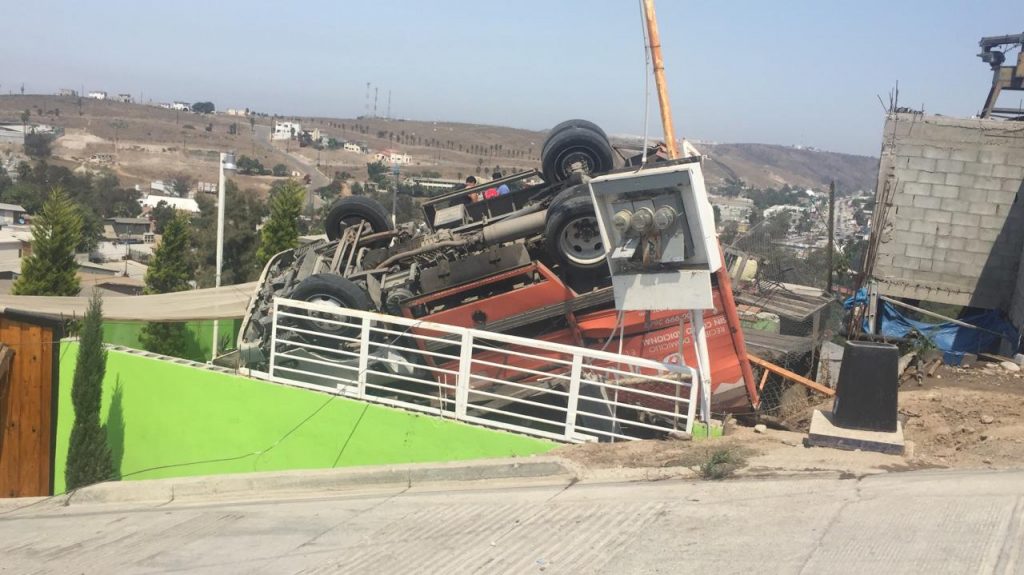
[
  {"x": 585, "y": 124},
  {"x": 576, "y": 145},
  {"x": 572, "y": 236},
  {"x": 336, "y": 291},
  {"x": 353, "y": 209}
]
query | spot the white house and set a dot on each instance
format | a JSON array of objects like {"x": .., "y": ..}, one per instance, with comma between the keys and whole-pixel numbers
[
  {"x": 733, "y": 209},
  {"x": 319, "y": 136},
  {"x": 11, "y": 214},
  {"x": 350, "y": 147},
  {"x": 237, "y": 112},
  {"x": 67, "y": 92},
  {"x": 286, "y": 130},
  {"x": 165, "y": 105},
  {"x": 392, "y": 157},
  {"x": 98, "y": 95},
  {"x": 181, "y": 204},
  {"x": 183, "y": 106},
  {"x": 125, "y": 98}
]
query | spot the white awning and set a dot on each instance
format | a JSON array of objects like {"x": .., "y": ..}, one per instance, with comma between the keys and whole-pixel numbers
[{"x": 213, "y": 303}]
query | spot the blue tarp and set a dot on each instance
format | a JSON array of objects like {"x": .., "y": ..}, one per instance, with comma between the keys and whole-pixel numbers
[{"x": 952, "y": 339}]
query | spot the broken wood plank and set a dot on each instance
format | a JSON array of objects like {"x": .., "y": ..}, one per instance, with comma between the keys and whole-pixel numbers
[{"x": 794, "y": 377}]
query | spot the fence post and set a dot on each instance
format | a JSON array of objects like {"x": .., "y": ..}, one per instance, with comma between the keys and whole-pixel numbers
[
  {"x": 364, "y": 358},
  {"x": 273, "y": 338},
  {"x": 572, "y": 404},
  {"x": 462, "y": 383}
]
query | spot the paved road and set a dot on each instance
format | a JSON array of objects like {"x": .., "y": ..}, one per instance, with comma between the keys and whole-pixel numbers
[{"x": 923, "y": 522}]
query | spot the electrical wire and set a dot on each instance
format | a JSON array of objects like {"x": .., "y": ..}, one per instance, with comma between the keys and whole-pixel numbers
[{"x": 647, "y": 82}]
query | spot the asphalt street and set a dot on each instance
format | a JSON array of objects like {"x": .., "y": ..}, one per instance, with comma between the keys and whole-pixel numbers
[{"x": 918, "y": 522}]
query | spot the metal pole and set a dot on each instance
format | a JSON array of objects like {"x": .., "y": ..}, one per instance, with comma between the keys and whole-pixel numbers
[
  {"x": 394, "y": 198},
  {"x": 220, "y": 245},
  {"x": 831, "y": 232},
  {"x": 700, "y": 342},
  {"x": 659, "y": 78}
]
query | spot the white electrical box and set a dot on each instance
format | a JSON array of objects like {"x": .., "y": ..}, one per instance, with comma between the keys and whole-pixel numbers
[{"x": 660, "y": 231}]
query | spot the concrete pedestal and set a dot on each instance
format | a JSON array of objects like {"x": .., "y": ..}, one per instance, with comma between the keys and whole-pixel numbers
[{"x": 824, "y": 433}]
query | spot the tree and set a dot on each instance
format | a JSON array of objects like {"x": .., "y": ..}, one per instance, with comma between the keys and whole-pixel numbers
[
  {"x": 37, "y": 146},
  {"x": 244, "y": 212},
  {"x": 161, "y": 215},
  {"x": 203, "y": 107},
  {"x": 89, "y": 460},
  {"x": 777, "y": 225},
  {"x": 56, "y": 231},
  {"x": 279, "y": 170},
  {"x": 377, "y": 172},
  {"x": 171, "y": 270},
  {"x": 281, "y": 230},
  {"x": 250, "y": 166}
]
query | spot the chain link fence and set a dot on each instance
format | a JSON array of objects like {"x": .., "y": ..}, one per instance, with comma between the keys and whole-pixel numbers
[{"x": 789, "y": 318}]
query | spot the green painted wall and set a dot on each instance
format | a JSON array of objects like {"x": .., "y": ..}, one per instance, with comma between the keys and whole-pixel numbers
[
  {"x": 126, "y": 333},
  {"x": 199, "y": 422}
]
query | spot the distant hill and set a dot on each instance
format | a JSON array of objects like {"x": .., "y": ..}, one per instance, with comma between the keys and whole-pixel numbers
[
  {"x": 766, "y": 165},
  {"x": 153, "y": 143}
]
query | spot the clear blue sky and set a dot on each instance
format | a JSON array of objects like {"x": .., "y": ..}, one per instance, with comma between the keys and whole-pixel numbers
[{"x": 791, "y": 72}]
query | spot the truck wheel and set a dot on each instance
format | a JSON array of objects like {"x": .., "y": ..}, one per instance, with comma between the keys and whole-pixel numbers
[
  {"x": 576, "y": 145},
  {"x": 585, "y": 124},
  {"x": 335, "y": 291},
  {"x": 572, "y": 236},
  {"x": 351, "y": 210}
]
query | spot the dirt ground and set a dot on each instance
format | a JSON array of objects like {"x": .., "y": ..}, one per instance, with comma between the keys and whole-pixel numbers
[{"x": 959, "y": 418}]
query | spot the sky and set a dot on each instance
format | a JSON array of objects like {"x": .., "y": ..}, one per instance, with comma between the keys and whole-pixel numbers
[{"x": 798, "y": 72}]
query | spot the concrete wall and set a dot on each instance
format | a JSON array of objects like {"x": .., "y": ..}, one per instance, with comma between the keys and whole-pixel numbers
[
  {"x": 949, "y": 222},
  {"x": 169, "y": 420}
]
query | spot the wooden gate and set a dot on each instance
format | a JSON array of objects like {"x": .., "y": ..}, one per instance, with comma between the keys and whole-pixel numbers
[{"x": 28, "y": 403}]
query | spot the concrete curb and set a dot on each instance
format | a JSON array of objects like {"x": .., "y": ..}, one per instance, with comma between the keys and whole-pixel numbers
[{"x": 320, "y": 481}]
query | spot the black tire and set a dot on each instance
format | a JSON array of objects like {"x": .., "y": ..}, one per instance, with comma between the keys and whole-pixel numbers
[
  {"x": 572, "y": 236},
  {"x": 334, "y": 290},
  {"x": 576, "y": 145},
  {"x": 353, "y": 209},
  {"x": 585, "y": 124}
]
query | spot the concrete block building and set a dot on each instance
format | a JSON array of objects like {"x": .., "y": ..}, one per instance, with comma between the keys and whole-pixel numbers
[{"x": 949, "y": 219}]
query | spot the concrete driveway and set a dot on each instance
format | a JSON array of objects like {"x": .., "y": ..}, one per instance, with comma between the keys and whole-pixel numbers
[{"x": 919, "y": 522}]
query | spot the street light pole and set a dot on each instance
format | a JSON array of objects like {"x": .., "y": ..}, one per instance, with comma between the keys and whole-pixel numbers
[{"x": 227, "y": 162}]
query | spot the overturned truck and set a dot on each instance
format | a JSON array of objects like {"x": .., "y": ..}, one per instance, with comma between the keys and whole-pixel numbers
[{"x": 528, "y": 261}]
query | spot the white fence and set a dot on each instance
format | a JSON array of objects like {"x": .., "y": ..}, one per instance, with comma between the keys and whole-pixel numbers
[{"x": 530, "y": 386}]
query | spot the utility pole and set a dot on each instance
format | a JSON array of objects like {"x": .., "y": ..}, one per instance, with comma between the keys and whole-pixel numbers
[
  {"x": 659, "y": 79},
  {"x": 394, "y": 198},
  {"x": 722, "y": 275},
  {"x": 389, "y": 104},
  {"x": 375, "y": 90},
  {"x": 831, "y": 232}
]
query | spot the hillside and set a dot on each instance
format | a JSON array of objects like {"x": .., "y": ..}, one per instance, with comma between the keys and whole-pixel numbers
[{"x": 154, "y": 143}]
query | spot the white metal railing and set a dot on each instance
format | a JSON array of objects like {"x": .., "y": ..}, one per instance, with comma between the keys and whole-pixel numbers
[{"x": 530, "y": 386}]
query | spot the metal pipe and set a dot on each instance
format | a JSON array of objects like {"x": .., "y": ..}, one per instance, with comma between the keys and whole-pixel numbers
[
  {"x": 421, "y": 250},
  {"x": 514, "y": 229}
]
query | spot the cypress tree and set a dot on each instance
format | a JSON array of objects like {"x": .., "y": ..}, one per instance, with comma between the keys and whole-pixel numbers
[
  {"x": 51, "y": 269},
  {"x": 170, "y": 271},
  {"x": 281, "y": 232},
  {"x": 89, "y": 460}
]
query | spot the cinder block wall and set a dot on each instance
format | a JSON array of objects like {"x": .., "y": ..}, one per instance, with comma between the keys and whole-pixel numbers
[{"x": 948, "y": 220}]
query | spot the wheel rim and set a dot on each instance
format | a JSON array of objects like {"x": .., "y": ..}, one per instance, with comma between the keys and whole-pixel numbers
[
  {"x": 580, "y": 241},
  {"x": 580, "y": 155},
  {"x": 327, "y": 300}
]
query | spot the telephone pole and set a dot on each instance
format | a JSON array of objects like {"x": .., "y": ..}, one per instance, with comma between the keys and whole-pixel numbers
[{"x": 831, "y": 232}]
